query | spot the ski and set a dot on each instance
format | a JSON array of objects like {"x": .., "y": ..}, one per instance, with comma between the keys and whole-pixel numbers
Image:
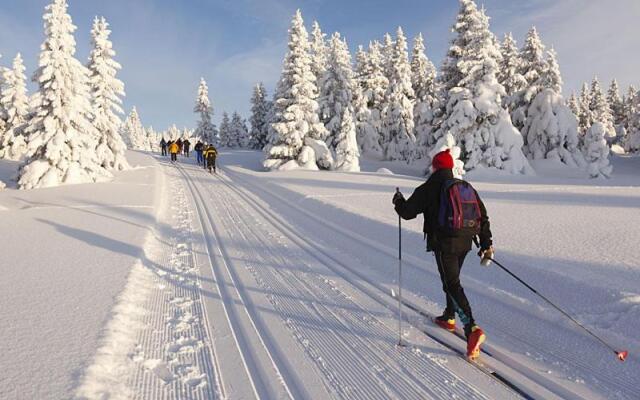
[{"x": 477, "y": 363}]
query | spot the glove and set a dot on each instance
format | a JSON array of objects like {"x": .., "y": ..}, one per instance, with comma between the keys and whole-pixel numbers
[
  {"x": 486, "y": 255},
  {"x": 397, "y": 197}
]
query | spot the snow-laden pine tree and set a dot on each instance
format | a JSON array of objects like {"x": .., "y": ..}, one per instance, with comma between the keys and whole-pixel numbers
[
  {"x": 133, "y": 133},
  {"x": 532, "y": 67},
  {"x": 397, "y": 120},
  {"x": 584, "y": 118},
  {"x": 596, "y": 151},
  {"x": 295, "y": 122},
  {"x": 106, "y": 93},
  {"x": 336, "y": 89},
  {"x": 154, "y": 139},
  {"x": 599, "y": 110},
  {"x": 423, "y": 81},
  {"x": 239, "y": 132},
  {"x": 15, "y": 103},
  {"x": 346, "y": 146},
  {"x": 574, "y": 105},
  {"x": 473, "y": 97},
  {"x": 225, "y": 131},
  {"x": 629, "y": 107},
  {"x": 615, "y": 103},
  {"x": 632, "y": 142},
  {"x": 319, "y": 51},
  {"x": 510, "y": 75},
  {"x": 369, "y": 100},
  {"x": 386, "y": 52},
  {"x": 173, "y": 133},
  {"x": 551, "y": 128},
  {"x": 205, "y": 130},
  {"x": 258, "y": 120},
  {"x": 61, "y": 139}
]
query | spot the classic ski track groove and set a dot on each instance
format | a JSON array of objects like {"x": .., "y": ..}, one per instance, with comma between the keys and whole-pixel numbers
[
  {"x": 305, "y": 245},
  {"x": 551, "y": 387},
  {"x": 415, "y": 363},
  {"x": 615, "y": 382},
  {"x": 253, "y": 371},
  {"x": 193, "y": 373}
]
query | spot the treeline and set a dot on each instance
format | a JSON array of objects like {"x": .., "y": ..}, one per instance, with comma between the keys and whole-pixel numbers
[{"x": 493, "y": 103}]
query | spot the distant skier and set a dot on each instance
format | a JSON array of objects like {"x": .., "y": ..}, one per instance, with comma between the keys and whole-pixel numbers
[
  {"x": 163, "y": 147},
  {"x": 199, "y": 149},
  {"x": 179, "y": 143},
  {"x": 210, "y": 155},
  {"x": 453, "y": 216},
  {"x": 186, "y": 144},
  {"x": 174, "y": 149}
]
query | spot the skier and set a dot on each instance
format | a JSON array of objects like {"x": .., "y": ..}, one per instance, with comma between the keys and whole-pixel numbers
[
  {"x": 451, "y": 242},
  {"x": 179, "y": 143},
  {"x": 163, "y": 147},
  {"x": 199, "y": 148},
  {"x": 174, "y": 149},
  {"x": 186, "y": 144},
  {"x": 210, "y": 155}
]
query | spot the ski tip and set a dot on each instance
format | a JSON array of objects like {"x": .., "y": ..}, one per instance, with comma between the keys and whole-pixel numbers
[{"x": 622, "y": 355}]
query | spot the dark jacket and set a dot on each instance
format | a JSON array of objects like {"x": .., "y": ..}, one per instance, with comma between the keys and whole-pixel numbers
[
  {"x": 426, "y": 200},
  {"x": 199, "y": 146}
]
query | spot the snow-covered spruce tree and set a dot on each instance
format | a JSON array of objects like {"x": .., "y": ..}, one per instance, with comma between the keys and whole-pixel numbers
[
  {"x": 295, "y": 121},
  {"x": 474, "y": 113},
  {"x": 629, "y": 107},
  {"x": 369, "y": 100},
  {"x": 632, "y": 142},
  {"x": 510, "y": 75},
  {"x": 584, "y": 118},
  {"x": 133, "y": 132},
  {"x": 319, "y": 51},
  {"x": 336, "y": 89},
  {"x": 225, "y": 131},
  {"x": 386, "y": 52},
  {"x": 600, "y": 111},
  {"x": 258, "y": 119},
  {"x": 532, "y": 67},
  {"x": 154, "y": 139},
  {"x": 15, "y": 103},
  {"x": 106, "y": 93},
  {"x": 423, "y": 81},
  {"x": 596, "y": 151},
  {"x": 239, "y": 132},
  {"x": 61, "y": 139},
  {"x": 173, "y": 133},
  {"x": 346, "y": 146},
  {"x": 205, "y": 130},
  {"x": 574, "y": 105},
  {"x": 551, "y": 128},
  {"x": 615, "y": 103},
  {"x": 397, "y": 120}
]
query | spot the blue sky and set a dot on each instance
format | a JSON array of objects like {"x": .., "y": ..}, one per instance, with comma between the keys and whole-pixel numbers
[{"x": 165, "y": 46}]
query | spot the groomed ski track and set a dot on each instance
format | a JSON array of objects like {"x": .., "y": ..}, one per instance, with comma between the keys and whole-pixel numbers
[
  {"x": 305, "y": 325},
  {"x": 297, "y": 334}
]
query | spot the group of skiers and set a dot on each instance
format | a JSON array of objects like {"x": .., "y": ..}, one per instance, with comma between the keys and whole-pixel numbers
[{"x": 206, "y": 154}]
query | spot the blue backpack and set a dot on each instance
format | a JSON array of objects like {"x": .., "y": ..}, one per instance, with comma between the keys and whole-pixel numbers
[{"x": 459, "y": 214}]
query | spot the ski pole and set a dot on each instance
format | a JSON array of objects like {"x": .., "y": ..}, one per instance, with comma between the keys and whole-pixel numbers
[
  {"x": 399, "y": 278},
  {"x": 622, "y": 355}
]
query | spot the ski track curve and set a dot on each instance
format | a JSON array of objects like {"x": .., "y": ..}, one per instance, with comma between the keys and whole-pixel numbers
[
  {"x": 307, "y": 301},
  {"x": 560, "y": 357}
]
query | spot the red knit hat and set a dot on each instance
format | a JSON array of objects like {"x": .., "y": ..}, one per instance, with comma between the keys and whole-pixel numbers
[{"x": 442, "y": 160}]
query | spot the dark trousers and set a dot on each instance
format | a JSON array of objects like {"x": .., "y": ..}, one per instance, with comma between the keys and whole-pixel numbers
[
  {"x": 164, "y": 150},
  {"x": 211, "y": 164},
  {"x": 449, "y": 266},
  {"x": 174, "y": 157}
]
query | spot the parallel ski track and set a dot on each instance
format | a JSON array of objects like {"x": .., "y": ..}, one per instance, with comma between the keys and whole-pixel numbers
[
  {"x": 559, "y": 354},
  {"x": 259, "y": 386},
  {"x": 418, "y": 378},
  {"x": 489, "y": 351},
  {"x": 330, "y": 262}
]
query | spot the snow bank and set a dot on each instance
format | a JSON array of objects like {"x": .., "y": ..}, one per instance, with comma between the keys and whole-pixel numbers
[{"x": 88, "y": 237}]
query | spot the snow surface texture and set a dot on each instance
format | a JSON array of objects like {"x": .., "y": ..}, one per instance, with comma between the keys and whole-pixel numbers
[{"x": 276, "y": 285}]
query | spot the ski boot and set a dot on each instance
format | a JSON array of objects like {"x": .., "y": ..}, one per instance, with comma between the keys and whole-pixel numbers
[
  {"x": 445, "y": 322},
  {"x": 475, "y": 337}
]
